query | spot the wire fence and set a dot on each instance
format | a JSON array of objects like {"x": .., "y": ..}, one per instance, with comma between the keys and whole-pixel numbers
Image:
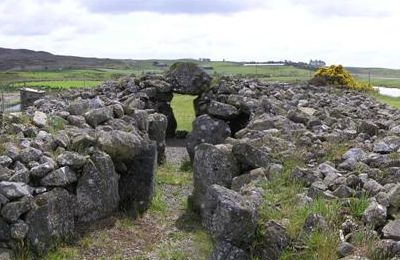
[{"x": 9, "y": 100}]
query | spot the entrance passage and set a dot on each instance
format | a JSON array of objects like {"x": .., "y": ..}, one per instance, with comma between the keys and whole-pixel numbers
[{"x": 182, "y": 106}]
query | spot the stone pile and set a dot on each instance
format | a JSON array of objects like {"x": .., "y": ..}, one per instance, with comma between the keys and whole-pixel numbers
[
  {"x": 246, "y": 130},
  {"x": 80, "y": 156}
]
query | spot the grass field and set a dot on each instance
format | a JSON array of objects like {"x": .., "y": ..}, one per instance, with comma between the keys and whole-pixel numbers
[
  {"x": 391, "y": 101},
  {"x": 289, "y": 74},
  {"x": 57, "y": 84},
  {"x": 182, "y": 105}
]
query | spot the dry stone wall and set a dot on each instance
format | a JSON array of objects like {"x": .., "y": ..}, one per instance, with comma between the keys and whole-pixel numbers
[
  {"x": 78, "y": 157},
  {"x": 244, "y": 133}
]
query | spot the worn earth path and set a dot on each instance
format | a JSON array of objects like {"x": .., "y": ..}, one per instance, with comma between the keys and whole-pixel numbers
[{"x": 166, "y": 231}]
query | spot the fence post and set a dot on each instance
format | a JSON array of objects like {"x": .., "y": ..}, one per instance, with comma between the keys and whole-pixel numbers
[
  {"x": 369, "y": 77},
  {"x": 3, "y": 105}
]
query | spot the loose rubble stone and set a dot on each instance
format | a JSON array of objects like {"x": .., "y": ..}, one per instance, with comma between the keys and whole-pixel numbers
[
  {"x": 392, "y": 230},
  {"x": 72, "y": 159},
  {"x": 345, "y": 249},
  {"x": 39, "y": 119},
  {"x": 275, "y": 241},
  {"x": 60, "y": 177},
  {"x": 97, "y": 116},
  {"x": 315, "y": 222},
  {"x": 375, "y": 215},
  {"x": 250, "y": 157},
  {"x": 14, "y": 190},
  {"x": 225, "y": 250},
  {"x": 13, "y": 210},
  {"x": 19, "y": 230}
]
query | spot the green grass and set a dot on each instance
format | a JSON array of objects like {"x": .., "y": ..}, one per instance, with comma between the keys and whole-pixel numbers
[
  {"x": 62, "y": 253},
  {"x": 173, "y": 175},
  {"x": 158, "y": 203},
  {"x": 289, "y": 74},
  {"x": 391, "y": 101},
  {"x": 280, "y": 204},
  {"x": 357, "y": 206},
  {"x": 167, "y": 232},
  {"x": 334, "y": 151},
  {"x": 68, "y": 84},
  {"x": 182, "y": 105}
]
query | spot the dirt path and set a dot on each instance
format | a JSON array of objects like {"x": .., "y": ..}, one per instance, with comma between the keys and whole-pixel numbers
[{"x": 166, "y": 231}]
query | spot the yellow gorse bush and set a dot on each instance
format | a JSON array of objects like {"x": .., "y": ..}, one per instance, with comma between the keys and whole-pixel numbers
[{"x": 338, "y": 76}]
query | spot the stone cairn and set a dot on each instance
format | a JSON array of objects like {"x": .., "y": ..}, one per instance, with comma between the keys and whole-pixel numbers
[
  {"x": 244, "y": 132},
  {"x": 80, "y": 156}
]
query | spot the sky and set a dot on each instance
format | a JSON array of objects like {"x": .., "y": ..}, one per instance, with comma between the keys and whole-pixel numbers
[{"x": 350, "y": 32}]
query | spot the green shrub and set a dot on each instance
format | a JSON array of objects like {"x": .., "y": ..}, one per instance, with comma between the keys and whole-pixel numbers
[{"x": 338, "y": 76}]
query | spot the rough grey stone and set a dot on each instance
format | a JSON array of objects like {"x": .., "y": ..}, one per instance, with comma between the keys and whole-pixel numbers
[
  {"x": 356, "y": 154},
  {"x": 314, "y": 222},
  {"x": 39, "y": 119},
  {"x": 372, "y": 187},
  {"x": 97, "y": 189},
  {"x": 5, "y": 230},
  {"x": 5, "y": 173},
  {"x": 344, "y": 192},
  {"x": 226, "y": 251},
  {"x": 51, "y": 219},
  {"x": 229, "y": 216},
  {"x": 251, "y": 157},
  {"x": 375, "y": 215},
  {"x": 98, "y": 116},
  {"x": 188, "y": 78},
  {"x": 275, "y": 240},
  {"x": 392, "y": 230},
  {"x": 222, "y": 110},
  {"x": 158, "y": 124},
  {"x": 6, "y": 254},
  {"x": 206, "y": 130},
  {"x": 30, "y": 154},
  {"x": 256, "y": 174},
  {"x": 136, "y": 184},
  {"x": 60, "y": 177},
  {"x": 13, "y": 210},
  {"x": 305, "y": 175},
  {"x": 5, "y": 161},
  {"x": 14, "y": 190},
  {"x": 42, "y": 169},
  {"x": 345, "y": 249},
  {"x": 212, "y": 165},
  {"x": 120, "y": 145},
  {"x": 72, "y": 159},
  {"x": 19, "y": 230},
  {"x": 368, "y": 127}
]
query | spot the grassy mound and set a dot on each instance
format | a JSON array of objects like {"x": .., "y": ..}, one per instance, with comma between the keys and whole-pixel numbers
[{"x": 338, "y": 76}]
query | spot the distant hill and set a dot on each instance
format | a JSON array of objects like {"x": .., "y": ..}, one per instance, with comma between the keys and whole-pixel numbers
[{"x": 22, "y": 59}]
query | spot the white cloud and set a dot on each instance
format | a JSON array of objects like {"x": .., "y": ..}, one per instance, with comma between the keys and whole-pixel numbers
[
  {"x": 362, "y": 33},
  {"x": 172, "y": 6},
  {"x": 43, "y": 17}
]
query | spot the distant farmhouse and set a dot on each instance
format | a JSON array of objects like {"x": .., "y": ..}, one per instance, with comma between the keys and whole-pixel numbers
[
  {"x": 204, "y": 60},
  {"x": 159, "y": 64},
  {"x": 317, "y": 63}
]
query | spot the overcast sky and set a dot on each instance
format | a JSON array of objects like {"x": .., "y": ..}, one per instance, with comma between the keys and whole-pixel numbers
[{"x": 351, "y": 32}]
